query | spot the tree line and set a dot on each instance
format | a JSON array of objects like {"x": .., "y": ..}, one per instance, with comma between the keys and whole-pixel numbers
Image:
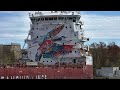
[{"x": 105, "y": 55}]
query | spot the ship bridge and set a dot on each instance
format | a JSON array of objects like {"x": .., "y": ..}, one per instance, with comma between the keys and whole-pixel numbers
[
  {"x": 54, "y": 16},
  {"x": 47, "y": 13}
]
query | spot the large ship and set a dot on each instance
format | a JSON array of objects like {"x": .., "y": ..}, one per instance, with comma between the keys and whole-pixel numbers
[{"x": 55, "y": 45}]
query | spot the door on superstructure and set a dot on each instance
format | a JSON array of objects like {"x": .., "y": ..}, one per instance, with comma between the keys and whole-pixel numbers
[{"x": 74, "y": 60}]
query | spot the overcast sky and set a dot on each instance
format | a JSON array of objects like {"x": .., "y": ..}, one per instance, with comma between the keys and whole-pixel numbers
[{"x": 98, "y": 26}]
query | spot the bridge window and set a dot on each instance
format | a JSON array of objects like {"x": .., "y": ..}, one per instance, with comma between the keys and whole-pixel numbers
[
  {"x": 59, "y": 18},
  {"x": 78, "y": 18},
  {"x": 46, "y": 18},
  {"x": 42, "y": 19},
  {"x": 34, "y": 19},
  {"x": 55, "y": 18},
  {"x": 50, "y": 18},
  {"x": 70, "y": 18},
  {"x": 38, "y": 19},
  {"x": 62, "y": 18},
  {"x": 74, "y": 18}
]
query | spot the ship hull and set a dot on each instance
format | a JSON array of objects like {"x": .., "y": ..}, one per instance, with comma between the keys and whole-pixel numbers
[{"x": 47, "y": 73}]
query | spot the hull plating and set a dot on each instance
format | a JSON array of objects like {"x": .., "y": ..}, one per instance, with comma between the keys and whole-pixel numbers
[{"x": 47, "y": 73}]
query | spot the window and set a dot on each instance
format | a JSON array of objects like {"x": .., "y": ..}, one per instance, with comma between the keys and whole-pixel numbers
[
  {"x": 70, "y": 26},
  {"x": 55, "y": 18},
  {"x": 47, "y": 61},
  {"x": 37, "y": 36},
  {"x": 75, "y": 43},
  {"x": 50, "y": 18},
  {"x": 42, "y": 19},
  {"x": 87, "y": 39},
  {"x": 37, "y": 28},
  {"x": 46, "y": 18},
  {"x": 74, "y": 60},
  {"x": 74, "y": 20},
  {"x": 43, "y": 61},
  {"x": 70, "y": 18},
  {"x": 78, "y": 17},
  {"x": 32, "y": 28},
  {"x": 62, "y": 18},
  {"x": 66, "y": 26},
  {"x": 38, "y": 19},
  {"x": 75, "y": 51},
  {"x": 51, "y": 61},
  {"x": 59, "y": 18}
]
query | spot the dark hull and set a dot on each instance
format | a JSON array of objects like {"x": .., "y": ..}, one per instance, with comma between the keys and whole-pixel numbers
[{"x": 47, "y": 73}]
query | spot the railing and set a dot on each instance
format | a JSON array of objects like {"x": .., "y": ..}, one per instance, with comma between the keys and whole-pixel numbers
[{"x": 38, "y": 13}]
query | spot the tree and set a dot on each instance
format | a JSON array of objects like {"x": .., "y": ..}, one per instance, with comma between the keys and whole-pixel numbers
[{"x": 105, "y": 55}]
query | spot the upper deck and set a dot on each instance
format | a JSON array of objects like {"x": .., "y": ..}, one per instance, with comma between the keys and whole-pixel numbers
[
  {"x": 49, "y": 13},
  {"x": 54, "y": 15}
]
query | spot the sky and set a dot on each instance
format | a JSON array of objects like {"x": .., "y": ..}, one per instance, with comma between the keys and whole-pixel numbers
[{"x": 99, "y": 26}]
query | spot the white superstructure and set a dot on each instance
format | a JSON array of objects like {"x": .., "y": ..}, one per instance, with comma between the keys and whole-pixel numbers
[{"x": 57, "y": 36}]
